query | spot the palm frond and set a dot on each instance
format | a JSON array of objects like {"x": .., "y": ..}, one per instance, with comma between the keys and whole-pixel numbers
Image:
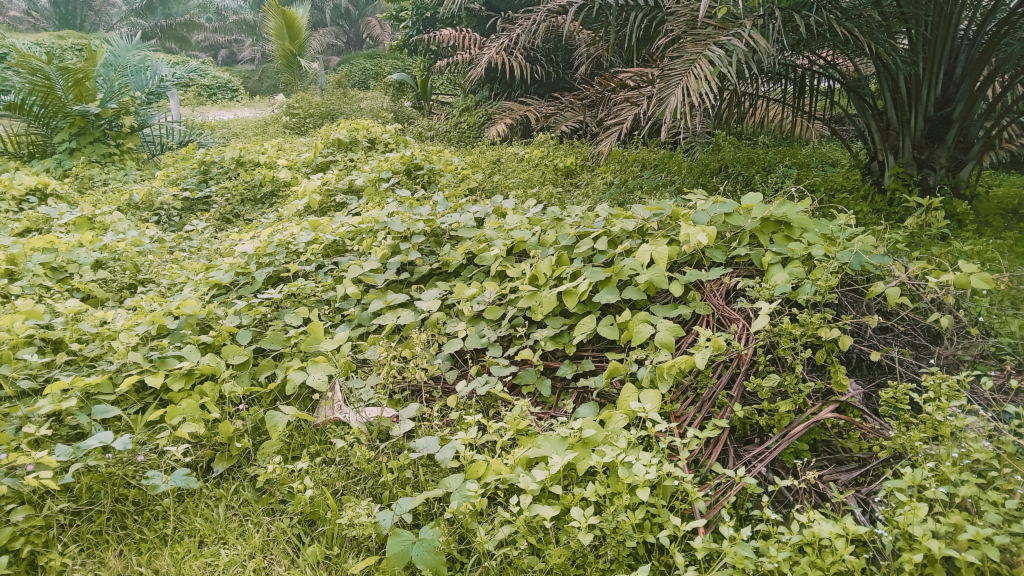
[
  {"x": 287, "y": 31},
  {"x": 377, "y": 30},
  {"x": 29, "y": 123}
]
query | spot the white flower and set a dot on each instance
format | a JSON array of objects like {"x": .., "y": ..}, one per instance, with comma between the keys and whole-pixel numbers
[
  {"x": 676, "y": 482},
  {"x": 141, "y": 458}
]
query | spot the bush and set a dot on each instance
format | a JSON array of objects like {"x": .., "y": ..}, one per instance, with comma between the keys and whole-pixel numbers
[
  {"x": 365, "y": 70},
  {"x": 245, "y": 129},
  {"x": 463, "y": 123},
  {"x": 211, "y": 85},
  {"x": 307, "y": 112},
  {"x": 260, "y": 81}
]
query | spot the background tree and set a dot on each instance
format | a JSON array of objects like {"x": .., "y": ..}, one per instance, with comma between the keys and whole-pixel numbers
[
  {"x": 80, "y": 15},
  {"x": 933, "y": 86},
  {"x": 172, "y": 25},
  {"x": 20, "y": 16}
]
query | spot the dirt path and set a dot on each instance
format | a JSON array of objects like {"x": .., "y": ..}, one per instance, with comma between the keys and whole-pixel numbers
[{"x": 231, "y": 114}]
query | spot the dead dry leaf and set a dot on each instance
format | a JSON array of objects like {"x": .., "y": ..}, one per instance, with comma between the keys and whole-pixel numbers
[{"x": 333, "y": 408}]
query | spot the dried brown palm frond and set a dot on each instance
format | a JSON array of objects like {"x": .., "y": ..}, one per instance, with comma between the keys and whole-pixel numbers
[
  {"x": 457, "y": 39},
  {"x": 676, "y": 96},
  {"x": 377, "y": 30},
  {"x": 698, "y": 57},
  {"x": 463, "y": 43},
  {"x": 611, "y": 108},
  {"x": 452, "y": 7}
]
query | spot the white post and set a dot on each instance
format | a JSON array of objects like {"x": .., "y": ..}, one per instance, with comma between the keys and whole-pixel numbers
[
  {"x": 321, "y": 80},
  {"x": 172, "y": 95}
]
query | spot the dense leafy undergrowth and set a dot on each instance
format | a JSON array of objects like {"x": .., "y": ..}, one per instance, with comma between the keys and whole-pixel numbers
[
  {"x": 700, "y": 384},
  {"x": 211, "y": 85}
]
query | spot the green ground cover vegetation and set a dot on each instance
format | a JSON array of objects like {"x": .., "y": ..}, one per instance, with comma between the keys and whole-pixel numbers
[
  {"x": 346, "y": 336},
  {"x": 168, "y": 334}
]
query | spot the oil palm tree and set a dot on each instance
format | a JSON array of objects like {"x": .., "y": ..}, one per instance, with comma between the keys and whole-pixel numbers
[
  {"x": 290, "y": 43},
  {"x": 353, "y": 22},
  {"x": 172, "y": 25},
  {"x": 933, "y": 86},
  {"x": 101, "y": 108}
]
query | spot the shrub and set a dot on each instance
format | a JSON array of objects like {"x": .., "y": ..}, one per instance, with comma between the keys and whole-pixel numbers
[
  {"x": 211, "y": 84},
  {"x": 67, "y": 46},
  {"x": 307, "y": 112},
  {"x": 244, "y": 129},
  {"x": 365, "y": 70},
  {"x": 259, "y": 80},
  {"x": 463, "y": 123}
]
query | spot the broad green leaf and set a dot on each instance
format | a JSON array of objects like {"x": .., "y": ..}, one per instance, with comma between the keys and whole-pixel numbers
[
  {"x": 665, "y": 341},
  {"x": 608, "y": 328},
  {"x": 191, "y": 353},
  {"x": 651, "y": 399},
  {"x": 363, "y": 564},
  {"x": 276, "y": 423},
  {"x": 182, "y": 478},
  {"x": 702, "y": 357},
  {"x": 627, "y": 395},
  {"x": 425, "y": 446},
  {"x": 96, "y": 440},
  {"x": 398, "y": 552},
  {"x": 982, "y": 281},
  {"x": 760, "y": 322},
  {"x": 587, "y": 410},
  {"x": 609, "y": 295},
  {"x": 845, "y": 342},
  {"x": 585, "y": 328},
  {"x": 426, "y": 553},
  {"x": 123, "y": 442},
  {"x": 453, "y": 345},
  {"x": 272, "y": 341},
  {"x": 641, "y": 333},
  {"x": 634, "y": 293},
  {"x": 447, "y": 453},
  {"x": 101, "y": 411},
  {"x": 660, "y": 256},
  {"x": 695, "y": 524}
]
